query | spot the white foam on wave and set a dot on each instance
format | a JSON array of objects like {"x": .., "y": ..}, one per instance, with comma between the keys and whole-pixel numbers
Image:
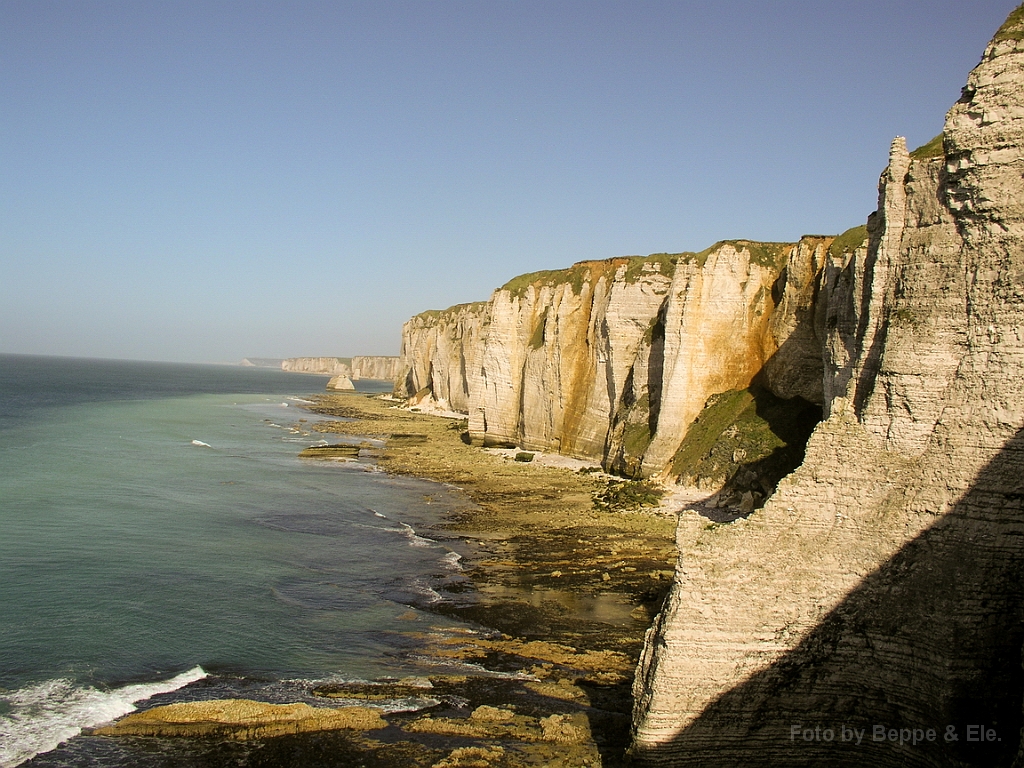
[
  {"x": 44, "y": 715},
  {"x": 415, "y": 539},
  {"x": 427, "y": 591},
  {"x": 452, "y": 561},
  {"x": 201, "y": 444}
]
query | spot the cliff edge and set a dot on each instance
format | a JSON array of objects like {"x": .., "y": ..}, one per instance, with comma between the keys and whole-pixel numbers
[
  {"x": 879, "y": 590},
  {"x": 615, "y": 359}
]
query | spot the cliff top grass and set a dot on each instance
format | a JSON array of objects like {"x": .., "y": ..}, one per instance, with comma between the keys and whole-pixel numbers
[
  {"x": 589, "y": 271},
  {"x": 1013, "y": 27},
  {"x": 452, "y": 310},
  {"x": 932, "y": 149},
  {"x": 849, "y": 241},
  {"x": 771, "y": 255}
]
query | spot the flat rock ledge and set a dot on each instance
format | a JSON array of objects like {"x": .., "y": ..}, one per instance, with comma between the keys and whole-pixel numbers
[{"x": 241, "y": 719}]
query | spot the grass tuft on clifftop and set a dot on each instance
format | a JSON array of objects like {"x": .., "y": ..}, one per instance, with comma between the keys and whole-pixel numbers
[
  {"x": 1013, "y": 27},
  {"x": 436, "y": 314},
  {"x": 745, "y": 440},
  {"x": 770, "y": 255},
  {"x": 849, "y": 241},
  {"x": 932, "y": 149},
  {"x": 590, "y": 271}
]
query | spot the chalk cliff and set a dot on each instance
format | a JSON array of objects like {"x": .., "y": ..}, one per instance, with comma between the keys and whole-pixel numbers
[
  {"x": 359, "y": 367},
  {"x": 327, "y": 366},
  {"x": 614, "y": 359},
  {"x": 375, "y": 367},
  {"x": 439, "y": 355},
  {"x": 881, "y": 583}
]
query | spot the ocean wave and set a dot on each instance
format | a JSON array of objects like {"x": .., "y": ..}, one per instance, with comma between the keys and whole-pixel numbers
[
  {"x": 415, "y": 539},
  {"x": 44, "y": 715},
  {"x": 422, "y": 589},
  {"x": 452, "y": 561}
]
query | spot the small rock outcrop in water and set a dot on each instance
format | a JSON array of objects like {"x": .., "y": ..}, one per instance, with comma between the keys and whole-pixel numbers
[
  {"x": 341, "y": 383},
  {"x": 241, "y": 719},
  {"x": 880, "y": 586}
]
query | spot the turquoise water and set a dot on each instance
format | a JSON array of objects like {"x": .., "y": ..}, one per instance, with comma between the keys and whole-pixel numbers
[{"x": 157, "y": 528}]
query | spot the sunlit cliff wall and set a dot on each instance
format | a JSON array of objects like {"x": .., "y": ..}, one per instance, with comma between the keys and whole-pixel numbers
[
  {"x": 881, "y": 583},
  {"x": 612, "y": 360}
]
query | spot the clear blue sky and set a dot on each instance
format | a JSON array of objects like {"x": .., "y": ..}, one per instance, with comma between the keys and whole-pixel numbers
[{"x": 204, "y": 181}]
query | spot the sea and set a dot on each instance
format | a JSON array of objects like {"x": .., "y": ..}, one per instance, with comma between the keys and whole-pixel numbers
[{"x": 160, "y": 540}]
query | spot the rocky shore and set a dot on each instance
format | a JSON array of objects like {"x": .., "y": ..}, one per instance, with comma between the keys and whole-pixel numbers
[{"x": 558, "y": 591}]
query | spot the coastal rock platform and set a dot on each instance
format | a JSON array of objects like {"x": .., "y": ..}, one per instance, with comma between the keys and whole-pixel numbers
[{"x": 240, "y": 719}]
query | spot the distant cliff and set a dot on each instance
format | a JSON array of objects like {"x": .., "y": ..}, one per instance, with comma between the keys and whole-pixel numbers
[
  {"x": 359, "y": 367},
  {"x": 327, "y": 366},
  {"x": 615, "y": 359},
  {"x": 383, "y": 368},
  {"x": 881, "y": 584},
  {"x": 262, "y": 362}
]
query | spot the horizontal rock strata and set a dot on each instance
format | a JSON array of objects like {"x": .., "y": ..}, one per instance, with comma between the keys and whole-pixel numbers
[{"x": 880, "y": 585}]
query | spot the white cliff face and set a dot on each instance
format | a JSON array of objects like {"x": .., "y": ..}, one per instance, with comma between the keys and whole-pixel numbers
[
  {"x": 612, "y": 360},
  {"x": 383, "y": 368},
  {"x": 557, "y": 353},
  {"x": 715, "y": 334},
  {"x": 880, "y": 583},
  {"x": 439, "y": 354},
  {"x": 361, "y": 367},
  {"x": 328, "y": 366},
  {"x": 794, "y": 363}
]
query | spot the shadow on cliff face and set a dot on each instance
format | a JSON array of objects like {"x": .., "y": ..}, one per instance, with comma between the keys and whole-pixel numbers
[
  {"x": 743, "y": 443},
  {"x": 932, "y": 640}
]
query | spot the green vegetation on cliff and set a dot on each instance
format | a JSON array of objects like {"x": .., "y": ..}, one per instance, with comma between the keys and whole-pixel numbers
[
  {"x": 438, "y": 314},
  {"x": 849, "y": 241},
  {"x": 932, "y": 149},
  {"x": 771, "y": 255},
  {"x": 1013, "y": 27},
  {"x": 745, "y": 440},
  {"x": 636, "y": 435},
  {"x": 666, "y": 265},
  {"x": 589, "y": 271}
]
